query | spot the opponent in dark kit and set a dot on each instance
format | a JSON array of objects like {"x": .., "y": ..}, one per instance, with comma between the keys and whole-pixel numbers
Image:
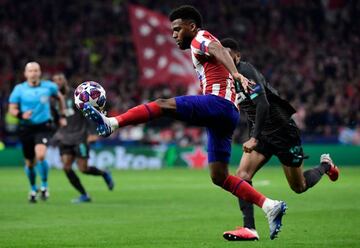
[
  {"x": 73, "y": 141},
  {"x": 272, "y": 132}
]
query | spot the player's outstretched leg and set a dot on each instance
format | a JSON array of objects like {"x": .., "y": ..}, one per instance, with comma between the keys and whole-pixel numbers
[
  {"x": 139, "y": 114},
  {"x": 105, "y": 126}
]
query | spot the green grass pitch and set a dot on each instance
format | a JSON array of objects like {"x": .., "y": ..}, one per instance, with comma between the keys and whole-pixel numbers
[{"x": 174, "y": 208}]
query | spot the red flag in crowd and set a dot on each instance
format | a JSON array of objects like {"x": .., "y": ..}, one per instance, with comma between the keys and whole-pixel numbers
[{"x": 160, "y": 60}]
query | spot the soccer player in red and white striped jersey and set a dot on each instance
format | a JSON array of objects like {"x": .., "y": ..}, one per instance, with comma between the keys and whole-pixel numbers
[
  {"x": 215, "y": 109},
  {"x": 214, "y": 77}
]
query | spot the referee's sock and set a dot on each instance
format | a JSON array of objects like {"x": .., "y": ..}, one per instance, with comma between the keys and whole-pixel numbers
[
  {"x": 31, "y": 174},
  {"x": 43, "y": 169}
]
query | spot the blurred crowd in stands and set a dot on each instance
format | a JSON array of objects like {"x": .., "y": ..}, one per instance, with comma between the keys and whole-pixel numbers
[{"x": 308, "y": 50}]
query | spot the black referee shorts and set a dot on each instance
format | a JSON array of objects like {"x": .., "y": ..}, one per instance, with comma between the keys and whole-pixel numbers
[
  {"x": 31, "y": 135},
  {"x": 284, "y": 143}
]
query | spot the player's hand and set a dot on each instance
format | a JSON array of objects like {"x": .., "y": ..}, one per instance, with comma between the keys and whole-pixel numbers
[
  {"x": 62, "y": 122},
  {"x": 246, "y": 83},
  {"x": 250, "y": 145},
  {"x": 27, "y": 115}
]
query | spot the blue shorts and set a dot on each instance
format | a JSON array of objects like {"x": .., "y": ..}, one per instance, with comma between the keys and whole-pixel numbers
[{"x": 218, "y": 115}]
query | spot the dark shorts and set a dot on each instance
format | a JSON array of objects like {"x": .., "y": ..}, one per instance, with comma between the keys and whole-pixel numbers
[
  {"x": 79, "y": 151},
  {"x": 31, "y": 135},
  {"x": 218, "y": 115},
  {"x": 284, "y": 143}
]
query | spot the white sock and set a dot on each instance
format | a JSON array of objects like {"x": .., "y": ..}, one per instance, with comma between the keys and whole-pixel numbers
[
  {"x": 113, "y": 122},
  {"x": 268, "y": 205}
]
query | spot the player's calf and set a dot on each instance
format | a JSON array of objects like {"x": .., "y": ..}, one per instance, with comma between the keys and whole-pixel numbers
[{"x": 299, "y": 187}]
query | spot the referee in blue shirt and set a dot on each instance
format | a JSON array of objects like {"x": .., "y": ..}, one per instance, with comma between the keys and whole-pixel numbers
[{"x": 30, "y": 102}]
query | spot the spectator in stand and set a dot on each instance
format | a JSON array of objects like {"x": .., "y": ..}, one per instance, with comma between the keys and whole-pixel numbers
[{"x": 311, "y": 46}]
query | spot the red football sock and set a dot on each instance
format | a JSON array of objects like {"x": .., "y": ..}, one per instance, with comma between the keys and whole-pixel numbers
[
  {"x": 139, "y": 114},
  {"x": 243, "y": 190}
]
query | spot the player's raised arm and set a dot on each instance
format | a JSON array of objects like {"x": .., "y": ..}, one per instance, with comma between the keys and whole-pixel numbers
[
  {"x": 223, "y": 56},
  {"x": 258, "y": 97}
]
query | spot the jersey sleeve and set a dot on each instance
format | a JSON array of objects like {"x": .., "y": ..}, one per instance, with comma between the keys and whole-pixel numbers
[
  {"x": 15, "y": 95},
  {"x": 257, "y": 94},
  {"x": 200, "y": 44},
  {"x": 255, "y": 76}
]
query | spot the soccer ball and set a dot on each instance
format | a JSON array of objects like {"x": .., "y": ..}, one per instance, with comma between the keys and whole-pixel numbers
[{"x": 90, "y": 92}]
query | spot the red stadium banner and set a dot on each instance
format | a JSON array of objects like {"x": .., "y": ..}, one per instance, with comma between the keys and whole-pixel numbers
[{"x": 160, "y": 60}]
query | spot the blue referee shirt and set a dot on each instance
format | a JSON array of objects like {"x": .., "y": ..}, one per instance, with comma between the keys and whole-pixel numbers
[{"x": 36, "y": 99}]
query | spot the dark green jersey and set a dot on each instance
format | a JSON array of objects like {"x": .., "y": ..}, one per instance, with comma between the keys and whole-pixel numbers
[
  {"x": 78, "y": 127},
  {"x": 279, "y": 111}
]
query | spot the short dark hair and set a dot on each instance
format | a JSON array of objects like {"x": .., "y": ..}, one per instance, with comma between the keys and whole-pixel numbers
[
  {"x": 230, "y": 43},
  {"x": 186, "y": 12}
]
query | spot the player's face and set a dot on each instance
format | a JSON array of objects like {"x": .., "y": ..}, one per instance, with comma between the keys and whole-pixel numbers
[
  {"x": 60, "y": 81},
  {"x": 32, "y": 72},
  {"x": 235, "y": 55},
  {"x": 183, "y": 32}
]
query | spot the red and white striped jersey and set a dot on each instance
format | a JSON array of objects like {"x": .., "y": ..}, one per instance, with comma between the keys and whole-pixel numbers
[{"x": 214, "y": 77}]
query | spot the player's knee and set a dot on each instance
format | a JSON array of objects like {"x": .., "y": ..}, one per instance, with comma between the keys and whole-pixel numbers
[
  {"x": 82, "y": 165},
  {"x": 166, "y": 104},
  {"x": 30, "y": 163},
  {"x": 217, "y": 180},
  {"x": 83, "y": 169},
  {"x": 218, "y": 173},
  {"x": 40, "y": 157},
  {"x": 244, "y": 175},
  {"x": 298, "y": 188}
]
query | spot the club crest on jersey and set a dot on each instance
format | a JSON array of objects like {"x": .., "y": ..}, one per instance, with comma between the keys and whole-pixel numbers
[
  {"x": 203, "y": 47},
  {"x": 200, "y": 77},
  {"x": 254, "y": 92},
  {"x": 44, "y": 99},
  {"x": 241, "y": 97},
  {"x": 256, "y": 89}
]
